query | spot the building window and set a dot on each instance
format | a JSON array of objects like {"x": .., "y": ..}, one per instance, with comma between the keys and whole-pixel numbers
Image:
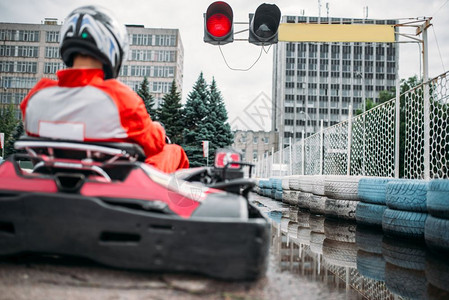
[
  {"x": 52, "y": 52},
  {"x": 52, "y": 67},
  {"x": 52, "y": 37},
  {"x": 255, "y": 140}
]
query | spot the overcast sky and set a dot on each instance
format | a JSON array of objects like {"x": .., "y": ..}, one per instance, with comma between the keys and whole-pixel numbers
[{"x": 240, "y": 87}]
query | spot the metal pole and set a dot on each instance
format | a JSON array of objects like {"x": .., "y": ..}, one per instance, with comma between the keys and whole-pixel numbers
[
  {"x": 348, "y": 172},
  {"x": 397, "y": 129},
  {"x": 321, "y": 146},
  {"x": 281, "y": 156},
  {"x": 426, "y": 102},
  {"x": 303, "y": 154},
  {"x": 290, "y": 169},
  {"x": 272, "y": 161}
]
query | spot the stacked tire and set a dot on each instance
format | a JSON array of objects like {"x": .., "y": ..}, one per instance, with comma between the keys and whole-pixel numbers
[
  {"x": 436, "y": 231},
  {"x": 406, "y": 211},
  {"x": 341, "y": 196},
  {"x": 372, "y": 205}
]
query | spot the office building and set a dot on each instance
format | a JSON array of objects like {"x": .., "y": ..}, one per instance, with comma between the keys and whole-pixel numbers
[
  {"x": 321, "y": 81},
  {"x": 29, "y": 52}
]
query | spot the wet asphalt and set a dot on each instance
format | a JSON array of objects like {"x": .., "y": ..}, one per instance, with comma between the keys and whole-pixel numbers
[{"x": 310, "y": 258}]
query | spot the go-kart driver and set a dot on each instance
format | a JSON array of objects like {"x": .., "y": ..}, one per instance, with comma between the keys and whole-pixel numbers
[{"x": 87, "y": 103}]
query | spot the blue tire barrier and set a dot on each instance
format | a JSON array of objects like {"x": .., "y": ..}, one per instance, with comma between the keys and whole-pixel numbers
[
  {"x": 371, "y": 265},
  {"x": 408, "y": 195},
  {"x": 278, "y": 195},
  {"x": 373, "y": 189},
  {"x": 279, "y": 185},
  {"x": 436, "y": 233},
  {"x": 370, "y": 214},
  {"x": 410, "y": 284},
  {"x": 438, "y": 198},
  {"x": 369, "y": 239},
  {"x": 437, "y": 272},
  {"x": 404, "y": 223},
  {"x": 404, "y": 253}
]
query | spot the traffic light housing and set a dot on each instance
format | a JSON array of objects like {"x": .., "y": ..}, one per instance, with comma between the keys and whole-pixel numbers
[
  {"x": 264, "y": 24},
  {"x": 218, "y": 24}
]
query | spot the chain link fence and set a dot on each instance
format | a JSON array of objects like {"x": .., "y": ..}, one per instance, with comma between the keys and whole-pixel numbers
[{"x": 371, "y": 145}]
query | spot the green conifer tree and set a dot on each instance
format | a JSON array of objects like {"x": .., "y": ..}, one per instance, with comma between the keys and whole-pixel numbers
[
  {"x": 8, "y": 120},
  {"x": 148, "y": 99},
  {"x": 195, "y": 130},
  {"x": 15, "y": 135},
  {"x": 171, "y": 115},
  {"x": 218, "y": 117}
]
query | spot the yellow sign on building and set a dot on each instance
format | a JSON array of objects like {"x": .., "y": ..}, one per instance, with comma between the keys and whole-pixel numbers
[{"x": 304, "y": 32}]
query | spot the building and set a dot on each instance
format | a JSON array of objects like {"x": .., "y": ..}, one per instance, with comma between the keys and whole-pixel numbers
[
  {"x": 255, "y": 144},
  {"x": 321, "y": 81},
  {"x": 29, "y": 52}
]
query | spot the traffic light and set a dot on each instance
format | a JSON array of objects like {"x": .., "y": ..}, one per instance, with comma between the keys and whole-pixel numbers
[
  {"x": 264, "y": 24},
  {"x": 218, "y": 24}
]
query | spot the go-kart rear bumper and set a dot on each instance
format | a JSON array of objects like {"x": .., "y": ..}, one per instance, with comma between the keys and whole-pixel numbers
[{"x": 130, "y": 238}]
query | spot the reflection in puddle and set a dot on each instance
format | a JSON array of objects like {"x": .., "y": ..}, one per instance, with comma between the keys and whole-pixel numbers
[{"x": 361, "y": 262}]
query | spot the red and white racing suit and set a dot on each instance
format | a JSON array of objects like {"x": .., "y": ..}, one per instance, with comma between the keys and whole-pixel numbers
[{"x": 83, "y": 106}]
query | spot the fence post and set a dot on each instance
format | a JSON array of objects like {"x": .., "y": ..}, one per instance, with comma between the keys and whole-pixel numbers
[
  {"x": 290, "y": 168},
  {"x": 303, "y": 165},
  {"x": 321, "y": 146},
  {"x": 426, "y": 95},
  {"x": 397, "y": 131},
  {"x": 348, "y": 172}
]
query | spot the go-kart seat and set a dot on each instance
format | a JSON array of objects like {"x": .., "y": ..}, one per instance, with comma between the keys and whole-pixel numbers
[{"x": 99, "y": 151}]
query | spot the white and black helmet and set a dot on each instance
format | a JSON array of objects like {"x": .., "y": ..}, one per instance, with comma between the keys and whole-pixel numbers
[{"x": 92, "y": 30}]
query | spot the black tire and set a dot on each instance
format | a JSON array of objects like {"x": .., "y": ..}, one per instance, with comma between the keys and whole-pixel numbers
[
  {"x": 407, "y": 283},
  {"x": 409, "y": 195},
  {"x": 436, "y": 233},
  {"x": 369, "y": 239},
  {"x": 371, "y": 265},
  {"x": 370, "y": 214},
  {"x": 404, "y": 223},
  {"x": 437, "y": 198},
  {"x": 404, "y": 253},
  {"x": 340, "y": 209},
  {"x": 338, "y": 230},
  {"x": 372, "y": 189},
  {"x": 340, "y": 253}
]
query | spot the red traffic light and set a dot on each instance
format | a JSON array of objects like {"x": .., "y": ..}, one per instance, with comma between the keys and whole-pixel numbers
[
  {"x": 218, "y": 29},
  {"x": 218, "y": 25}
]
